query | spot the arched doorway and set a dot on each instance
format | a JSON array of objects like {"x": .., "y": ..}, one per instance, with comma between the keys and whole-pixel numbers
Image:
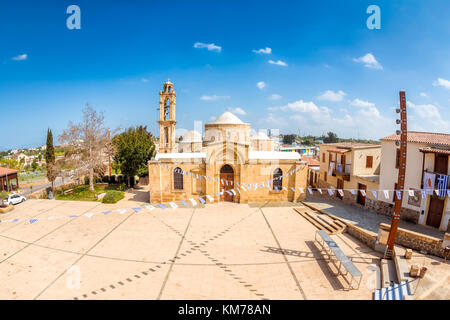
[{"x": 226, "y": 182}]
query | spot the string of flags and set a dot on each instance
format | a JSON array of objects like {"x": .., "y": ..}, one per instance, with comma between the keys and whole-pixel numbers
[
  {"x": 222, "y": 181},
  {"x": 209, "y": 198}
]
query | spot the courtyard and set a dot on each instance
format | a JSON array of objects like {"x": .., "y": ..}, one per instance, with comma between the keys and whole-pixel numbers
[{"x": 89, "y": 250}]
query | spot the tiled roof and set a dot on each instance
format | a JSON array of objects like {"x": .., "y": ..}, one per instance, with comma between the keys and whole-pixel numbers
[
  {"x": 351, "y": 144},
  {"x": 442, "y": 139},
  {"x": 311, "y": 161},
  {"x": 434, "y": 150},
  {"x": 4, "y": 171}
]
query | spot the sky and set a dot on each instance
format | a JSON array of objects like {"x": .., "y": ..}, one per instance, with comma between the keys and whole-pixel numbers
[{"x": 304, "y": 67}]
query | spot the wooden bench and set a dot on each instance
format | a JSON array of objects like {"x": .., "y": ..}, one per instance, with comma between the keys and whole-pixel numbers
[{"x": 333, "y": 250}]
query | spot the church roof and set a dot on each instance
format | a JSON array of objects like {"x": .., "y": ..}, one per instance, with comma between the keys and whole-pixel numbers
[
  {"x": 192, "y": 136},
  {"x": 227, "y": 118},
  {"x": 273, "y": 155}
]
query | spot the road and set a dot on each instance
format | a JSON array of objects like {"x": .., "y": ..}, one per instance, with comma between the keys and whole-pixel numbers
[{"x": 58, "y": 181}]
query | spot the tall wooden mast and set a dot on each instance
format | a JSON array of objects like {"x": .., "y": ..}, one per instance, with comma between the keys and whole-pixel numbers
[{"x": 401, "y": 177}]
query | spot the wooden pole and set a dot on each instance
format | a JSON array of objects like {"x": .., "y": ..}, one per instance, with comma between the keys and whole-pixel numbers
[{"x": 401, "y": 179}]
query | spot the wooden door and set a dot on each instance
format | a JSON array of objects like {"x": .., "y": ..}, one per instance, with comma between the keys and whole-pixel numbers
[
  {"x": 441, "y": 163},
  {"x": 435, "y": 212},
  {"x": 226, "y": 182},
  {"x": 361, "y": 199}
]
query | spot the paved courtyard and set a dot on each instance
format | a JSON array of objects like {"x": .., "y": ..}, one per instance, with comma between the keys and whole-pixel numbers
[{"x": 220, "y": 251}]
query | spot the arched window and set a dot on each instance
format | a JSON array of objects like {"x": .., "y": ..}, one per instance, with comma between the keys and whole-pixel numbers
[
  {"x": 277, "y": 179},
  {"x": 178, "y": 179}
]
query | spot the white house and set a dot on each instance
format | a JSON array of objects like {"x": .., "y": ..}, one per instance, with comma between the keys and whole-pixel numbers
[{"x": 427, "y": 156}]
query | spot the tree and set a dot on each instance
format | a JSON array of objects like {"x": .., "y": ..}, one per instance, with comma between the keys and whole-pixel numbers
[
  {"x": 50, "y": 159},
  {"x": 133, "y": 149},
  {"x": 331, "y": 138},
  {"x": 289, "y": 138},
  {"x": 86, "y": 143},
  {"x": 34, "y": 164}
]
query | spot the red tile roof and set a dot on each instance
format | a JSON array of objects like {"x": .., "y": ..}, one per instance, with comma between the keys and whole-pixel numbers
[
  {"x": 442, "y": 139},
  {"x": 351, "y": 144},
  {"x": 312, "y": 162},
  {"x": 4, "y": 171}
]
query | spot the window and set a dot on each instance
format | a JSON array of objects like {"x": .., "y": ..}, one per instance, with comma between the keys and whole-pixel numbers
[
  {"x": 323, "y": 157},
  {"x": 277, "y": 179},
  {"x": 325, "y": 176},
  {"x": 178, "y": 179},
  {"x": 369, "y": 161},
  {"x": 397, "y": 159}
]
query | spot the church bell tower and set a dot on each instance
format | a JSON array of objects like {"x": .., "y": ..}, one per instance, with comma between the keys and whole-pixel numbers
[{"x": 167, "y": 102}]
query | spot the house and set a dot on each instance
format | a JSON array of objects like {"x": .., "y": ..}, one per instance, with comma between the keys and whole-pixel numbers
[
  {"x": 350, "y": 167},
  {"x": 9, "y": 180},
  {"x": 220, "y": 161},
  {"x": 313, "y": 170},
  {"x": 427, "y": 168}
]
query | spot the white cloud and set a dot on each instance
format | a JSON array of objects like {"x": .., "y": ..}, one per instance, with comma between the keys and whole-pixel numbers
[
  {"x": 423, "y": 94},
  {"x": 275, "y": 97},
  {"x": 361, "y": 103},
  {"x": 428, "y": 118},
  {"x": 213, "y": 98},
  {"x": 261, "y": 85},
  {"x": 20, "y": 57},
  {"x": 330, "y": 95},
  {"x": 442, "y": 82},
  {"x": 278, "y": 63},
  {"x": 209, "y": 46},
  {"x": 238, "y": 111},
  {"x": 267, "y": 50},
  {"x": 369, "y": 61}
]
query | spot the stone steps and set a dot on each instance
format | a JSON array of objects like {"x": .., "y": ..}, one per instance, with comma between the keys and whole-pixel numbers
[{"x": 321, "y": 221}]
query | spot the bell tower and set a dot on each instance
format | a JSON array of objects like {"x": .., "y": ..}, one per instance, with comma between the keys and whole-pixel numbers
[{"x": 167, "y": 102}]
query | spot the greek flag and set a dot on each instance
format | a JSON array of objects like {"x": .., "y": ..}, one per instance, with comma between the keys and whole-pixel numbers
[{"x": 442, "y": 184}]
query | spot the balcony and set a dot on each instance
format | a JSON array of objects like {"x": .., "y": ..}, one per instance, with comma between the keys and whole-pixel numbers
[{"x": 342, "y": 171}]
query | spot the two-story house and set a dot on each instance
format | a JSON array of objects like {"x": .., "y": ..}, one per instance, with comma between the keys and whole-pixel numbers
[
  {"x": 350, "y": 167},
  {"x": 427, "y": 167}
]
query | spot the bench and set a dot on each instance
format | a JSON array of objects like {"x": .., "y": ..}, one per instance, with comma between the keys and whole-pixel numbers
[
  {"x": 70, "y": 191},
  {"x": 100, "y": 196},
  {"x": 333, "y": 250}
]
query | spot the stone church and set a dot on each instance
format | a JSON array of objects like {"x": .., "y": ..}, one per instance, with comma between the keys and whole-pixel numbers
[{"x": 220, "y": 161}]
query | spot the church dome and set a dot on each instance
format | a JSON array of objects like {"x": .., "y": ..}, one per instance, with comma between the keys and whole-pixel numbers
[
  {"x": 227, "y": 118},
  {"x": 192, "y": 136}
]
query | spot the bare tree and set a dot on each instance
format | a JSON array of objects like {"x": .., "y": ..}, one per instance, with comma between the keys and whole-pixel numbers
[{"x": 86, "y": 144}]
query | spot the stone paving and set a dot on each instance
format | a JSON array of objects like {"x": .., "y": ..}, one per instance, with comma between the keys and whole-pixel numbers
[{"x": 220, "y": 251}]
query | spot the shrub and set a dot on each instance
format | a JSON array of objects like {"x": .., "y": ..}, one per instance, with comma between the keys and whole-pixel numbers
[
  {"x": 113, "y": 196},
  {"x": 105, "y": 179},
  {"x": 112, "y": 179},
  {"x": 120, "y": 179}
]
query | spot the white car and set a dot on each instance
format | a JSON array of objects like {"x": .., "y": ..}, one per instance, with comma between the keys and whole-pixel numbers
[{"x": 14, "y": 199}]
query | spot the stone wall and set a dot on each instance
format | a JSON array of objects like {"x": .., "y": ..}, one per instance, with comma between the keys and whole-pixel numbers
[
  {"x": 367, "y": 237},
  {"x": 417, "y": 241}
]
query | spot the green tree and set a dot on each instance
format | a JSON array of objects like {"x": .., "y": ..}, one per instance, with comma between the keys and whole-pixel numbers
[
  {"x": 50, "y": 158},
  {"x": 34, "y": 164},
  {"x": 133, "y": 149},
  {"x": 289, "y": 138},
  {"x": 331, "y": 138}
]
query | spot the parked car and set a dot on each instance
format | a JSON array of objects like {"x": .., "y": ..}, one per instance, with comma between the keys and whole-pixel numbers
[{"x": 14, "y": 199}]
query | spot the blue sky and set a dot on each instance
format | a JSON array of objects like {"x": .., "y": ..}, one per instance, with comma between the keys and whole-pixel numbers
[{"x": 330, "y": 72}]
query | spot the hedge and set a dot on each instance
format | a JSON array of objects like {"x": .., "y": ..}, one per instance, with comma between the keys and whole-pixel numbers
[{"x": 113, "y": 196}]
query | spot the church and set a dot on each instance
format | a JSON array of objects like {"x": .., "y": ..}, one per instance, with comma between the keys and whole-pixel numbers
[{"x": 225, "y": 162}]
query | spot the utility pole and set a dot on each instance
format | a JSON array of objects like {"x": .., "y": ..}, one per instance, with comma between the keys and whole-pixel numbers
[
  {"x": 398, "y": 193},
  {"x": 109, "y": 152}
]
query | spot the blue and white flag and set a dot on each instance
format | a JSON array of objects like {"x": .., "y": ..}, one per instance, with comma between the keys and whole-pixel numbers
[
  {"x": 229, "y": 193},
  {"x": 162, "y": 206},
  {"x": 374, "y": 192},
  {"x": 211, "y": 199},
  {"x": 320, "y": 190},
  {"x": 352, "y": 191},
  {"x": 234, "y": 192},
  {"x": 184, "y": 203},
  {"x": 341, "y": 192},
  {"x": 292, "y": 189},
  {"x": 399, "y": 194},
  {"x": 301, "y": 190},
  {"x": 424, "y": 194},
  {"x": 173, "y": 205},
  {"x": 194, "y": 203},
  {"x": 330, "y": 192},
  {"x": 310, "y": 191},
  {"x": 149, "y": 207},
  {"x": 442, "y": 184},
  {"x": 137, "y": 209},
  {"x": 201, "y": 200},
  {"x": 33, "y": 221},
  {"x": 386, "y": 194},
  {"x": 363, "y": 192}
]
